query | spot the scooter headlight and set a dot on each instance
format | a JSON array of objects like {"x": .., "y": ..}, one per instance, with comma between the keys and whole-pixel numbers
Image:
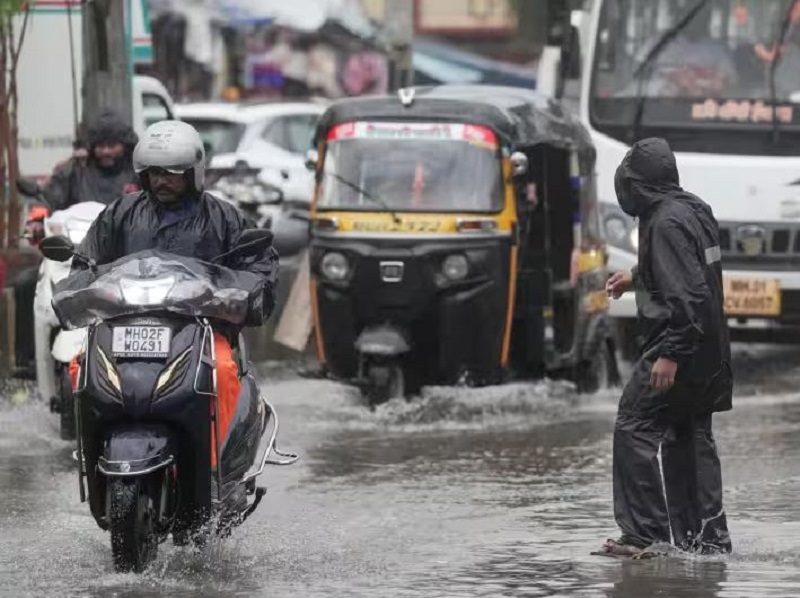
[
  {"x": 455, "y": 267},
  {"x": 146, "y": 292},
  {"x": 335, "y": 266},
  {"x": 110, "y": 370}
]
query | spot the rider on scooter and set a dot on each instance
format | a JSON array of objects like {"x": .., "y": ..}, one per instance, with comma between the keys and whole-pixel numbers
[
  {"x": 175, "y": 215},
  {"x": 102, "y": 172}
]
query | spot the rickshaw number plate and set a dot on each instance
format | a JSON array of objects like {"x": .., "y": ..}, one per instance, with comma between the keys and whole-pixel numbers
[
  {"x": 141, "y": 341},
  {"x": 392, "y": 271},
  {"x": 752, "y": 297}
]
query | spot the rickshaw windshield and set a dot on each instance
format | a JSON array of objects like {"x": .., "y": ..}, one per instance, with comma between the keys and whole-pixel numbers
[{"x": 412, "y": 167}]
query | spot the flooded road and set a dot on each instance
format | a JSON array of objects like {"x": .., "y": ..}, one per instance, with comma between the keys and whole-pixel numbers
[{"x": 482, "y": 492}]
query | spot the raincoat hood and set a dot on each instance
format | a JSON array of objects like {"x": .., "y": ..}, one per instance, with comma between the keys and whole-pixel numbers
[
  {"x": 647, "y": 175},
  {"x": 110, "y": 126}
]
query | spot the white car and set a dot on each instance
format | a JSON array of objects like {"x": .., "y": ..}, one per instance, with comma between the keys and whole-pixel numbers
[{"x": 273, "y": 137}]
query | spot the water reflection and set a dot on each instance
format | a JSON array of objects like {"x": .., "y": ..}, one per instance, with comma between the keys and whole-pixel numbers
[{"x": 673, "y": 577}]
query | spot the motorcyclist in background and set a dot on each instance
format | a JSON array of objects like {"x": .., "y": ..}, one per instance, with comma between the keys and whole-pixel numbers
[
  {"x": 174, "y": 214},
  {"x": 102, "y": 173}
]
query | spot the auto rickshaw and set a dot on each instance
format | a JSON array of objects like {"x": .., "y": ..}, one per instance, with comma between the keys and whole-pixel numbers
[{"x": 455, "y": 239}]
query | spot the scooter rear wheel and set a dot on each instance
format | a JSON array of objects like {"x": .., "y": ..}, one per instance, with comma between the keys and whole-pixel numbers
[{"x": 131, "y": 517}]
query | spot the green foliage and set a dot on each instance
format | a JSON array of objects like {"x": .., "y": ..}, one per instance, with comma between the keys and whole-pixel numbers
[{"x": 11, "y": 7}]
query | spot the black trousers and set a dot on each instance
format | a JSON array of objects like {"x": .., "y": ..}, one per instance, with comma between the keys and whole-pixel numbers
[{"x": 667, "y": 475}]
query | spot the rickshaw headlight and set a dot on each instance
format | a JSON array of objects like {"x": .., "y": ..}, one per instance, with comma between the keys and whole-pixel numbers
[
  {"x": 455, "y": 267},
  {"x": 335, "y": 266}
]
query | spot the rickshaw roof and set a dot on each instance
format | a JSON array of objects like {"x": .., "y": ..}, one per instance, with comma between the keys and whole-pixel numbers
[{"x": 521, "y": 117}]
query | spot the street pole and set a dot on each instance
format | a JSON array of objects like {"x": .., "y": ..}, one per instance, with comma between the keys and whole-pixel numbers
[
  {"x": 400, "y": 31},
  {"x": 106, "y": 65}
]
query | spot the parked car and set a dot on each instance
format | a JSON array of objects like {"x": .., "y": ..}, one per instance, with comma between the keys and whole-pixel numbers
[{"x": 273, "y": 137}]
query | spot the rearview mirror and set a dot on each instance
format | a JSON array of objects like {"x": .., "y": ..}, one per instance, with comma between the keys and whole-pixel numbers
[
  {"x": 28, "y": 187},
  {"x": 312, "y": 157},
  {"x": 519, "y": 164},
  {"x": 57, "y": 248}
]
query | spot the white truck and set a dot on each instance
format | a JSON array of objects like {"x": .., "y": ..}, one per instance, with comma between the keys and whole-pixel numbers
[
  {"x": 698, "y": 73},
  {"x": 49, "y": 96}
]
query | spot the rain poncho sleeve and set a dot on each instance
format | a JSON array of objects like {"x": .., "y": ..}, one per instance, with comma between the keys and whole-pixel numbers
[
  {"x": 679, "y": 276},
  {"x": 57, "y": 190},
  {"x": 264, "y": 263}
]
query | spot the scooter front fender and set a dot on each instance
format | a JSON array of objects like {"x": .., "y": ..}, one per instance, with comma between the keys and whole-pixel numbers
[{"x": 136, "y": 451}]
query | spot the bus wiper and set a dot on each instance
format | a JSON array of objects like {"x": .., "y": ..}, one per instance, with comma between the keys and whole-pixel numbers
[
  {"x": 787, "y": 20},
  {"x": 655, "y": 51},
  {"x": 362, "y": 191}
]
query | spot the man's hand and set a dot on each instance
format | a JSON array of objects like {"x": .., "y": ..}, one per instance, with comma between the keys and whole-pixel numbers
[
  {"x": 619, "y": 284},
  {"x": 662, "y": 376}
]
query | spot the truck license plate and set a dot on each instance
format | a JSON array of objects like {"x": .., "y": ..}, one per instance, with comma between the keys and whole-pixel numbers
[
  {"x": 141, "y": 341},
  {"x": 752, "y": 297}
]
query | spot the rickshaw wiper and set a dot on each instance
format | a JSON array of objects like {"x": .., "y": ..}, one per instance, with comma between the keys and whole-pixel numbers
[
  {"x": 787, "y": 20},
  {"x": 655, "y": 51},
  {"x": 365, "y": 193}
]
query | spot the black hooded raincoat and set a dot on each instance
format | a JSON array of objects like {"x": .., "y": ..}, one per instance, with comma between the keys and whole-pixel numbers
[{"x": 679, "y": 295}]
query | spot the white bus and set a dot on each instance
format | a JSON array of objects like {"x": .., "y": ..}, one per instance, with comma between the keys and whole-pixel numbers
[{"x": 699, "y": 73}]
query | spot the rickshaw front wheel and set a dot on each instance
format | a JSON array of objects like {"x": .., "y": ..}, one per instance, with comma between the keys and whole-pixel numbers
[{"x": 384, "y": 383}]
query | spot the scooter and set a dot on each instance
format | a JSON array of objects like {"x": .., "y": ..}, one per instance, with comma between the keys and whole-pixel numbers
[
  {"x": 55, "y": 348},
  {"x": 150, "y": 449},
  {"x": 258, "y": 199}
]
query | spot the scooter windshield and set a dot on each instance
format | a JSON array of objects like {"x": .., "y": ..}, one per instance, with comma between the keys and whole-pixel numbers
[{"x": 154, "y": 281}]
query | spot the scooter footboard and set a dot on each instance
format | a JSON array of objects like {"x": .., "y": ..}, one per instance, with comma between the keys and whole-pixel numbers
[
  {"x": 268, "y": 447},
  {"x": 130, "y": 451}
]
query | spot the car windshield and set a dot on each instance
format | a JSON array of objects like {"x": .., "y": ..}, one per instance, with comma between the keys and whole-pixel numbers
[
  {"x": 224, "y": 136},
  {"x": 715, "y": 69},
  {"x": 153, "y": 281},
  {"x": 412, "y": 167}
]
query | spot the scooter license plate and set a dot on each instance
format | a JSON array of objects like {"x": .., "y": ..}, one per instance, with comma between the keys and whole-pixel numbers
[{"x": 141, "y": 341}]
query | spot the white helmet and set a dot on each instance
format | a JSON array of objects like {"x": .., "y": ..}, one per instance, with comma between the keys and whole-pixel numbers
[{"x": 173, "y": 145}]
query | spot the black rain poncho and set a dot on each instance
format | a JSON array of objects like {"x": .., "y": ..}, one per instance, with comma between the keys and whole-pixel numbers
[{"x": 679, "y": 296}]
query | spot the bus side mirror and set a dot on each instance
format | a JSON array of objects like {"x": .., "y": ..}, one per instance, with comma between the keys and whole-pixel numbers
[
  {"x": 571, "y": 54},
  {"x": 312, "y": 157}
]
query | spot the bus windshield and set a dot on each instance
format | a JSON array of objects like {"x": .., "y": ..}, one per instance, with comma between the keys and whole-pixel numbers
[{"x": 715, "y": 70}]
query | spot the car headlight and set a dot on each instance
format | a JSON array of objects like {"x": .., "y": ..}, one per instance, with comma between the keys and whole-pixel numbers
[
  {"x": 455, "y": 267},
  {"x": 335, "y": 266},
  {"x": 146, "y": 292},
  {"x": 620, "y": 230}
]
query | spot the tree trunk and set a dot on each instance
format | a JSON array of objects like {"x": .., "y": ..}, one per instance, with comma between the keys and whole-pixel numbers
[
  {"x": 5, "y": 223},
  {"x": 13, "y": 139},
  {"x": 106, "y": 72}
]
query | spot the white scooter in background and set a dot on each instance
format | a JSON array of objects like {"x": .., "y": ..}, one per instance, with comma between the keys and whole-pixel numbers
[{"x": 55, "y": 348}]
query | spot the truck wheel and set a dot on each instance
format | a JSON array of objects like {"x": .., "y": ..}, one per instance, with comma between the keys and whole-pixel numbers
[
  {"x": 627, "y": 338},
  {"x": 67, "y": 405},
  {"x": 601, "y": 371},
  {"x": 132, "y": 524}
]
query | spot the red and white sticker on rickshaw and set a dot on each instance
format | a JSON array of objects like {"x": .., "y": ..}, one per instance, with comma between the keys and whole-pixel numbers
[{"x": 411, "y": 131}]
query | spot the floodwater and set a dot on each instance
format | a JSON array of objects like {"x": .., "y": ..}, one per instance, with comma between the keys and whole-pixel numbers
[{"x": 464, "y": 492}]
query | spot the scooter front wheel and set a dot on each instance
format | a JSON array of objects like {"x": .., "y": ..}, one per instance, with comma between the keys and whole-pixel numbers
[{"x": 131, "y": 521}]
